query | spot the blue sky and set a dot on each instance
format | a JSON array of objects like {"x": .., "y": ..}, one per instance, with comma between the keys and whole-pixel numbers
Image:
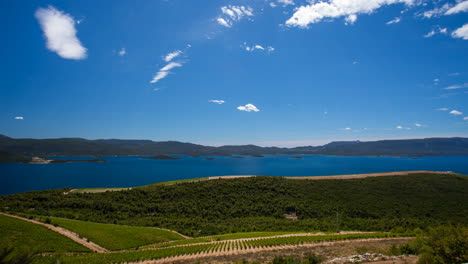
[{"x": 267, "y": 72}]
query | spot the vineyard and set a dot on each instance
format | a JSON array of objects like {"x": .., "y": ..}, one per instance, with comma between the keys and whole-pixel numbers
[{"x": 226, "y": 247}]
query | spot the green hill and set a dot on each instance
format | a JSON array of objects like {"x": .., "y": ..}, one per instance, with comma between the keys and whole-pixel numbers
[{"x": 260, "y": 204}]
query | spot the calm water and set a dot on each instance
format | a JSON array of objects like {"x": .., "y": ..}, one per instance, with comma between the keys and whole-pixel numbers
[{"x": 132, "y": 171}]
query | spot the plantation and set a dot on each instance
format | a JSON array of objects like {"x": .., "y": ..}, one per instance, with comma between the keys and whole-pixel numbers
[
  {"x": 116, "y": 237},
  {"x": 22, "y": 235},
  {"x": 121, "y": 257},
  {"x": 257, "y": 204}
]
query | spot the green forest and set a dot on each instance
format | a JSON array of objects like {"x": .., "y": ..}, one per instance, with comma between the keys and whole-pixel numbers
[{"x": 260, "y": 204}]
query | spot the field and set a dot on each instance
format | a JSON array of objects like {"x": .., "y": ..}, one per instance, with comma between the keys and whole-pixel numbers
[
  {"x": 239, "y": 216},
  {"x": 116, "y": 237},
  {"x": 217, "y": 238},
  {"x": 23, "y": 235},
  {"x": 216, "y": 247}
]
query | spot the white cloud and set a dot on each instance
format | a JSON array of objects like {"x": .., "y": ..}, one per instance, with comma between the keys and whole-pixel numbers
[
  {"x": 455, "y": 112},
  {"x": 318, "y": 11},
  {"x": 217, "y": 101},
  {"x": 248, "y": 108},
  {"x": 171, "y": 65},
  {"x": 122, "y": 52},
  {"x": 418, "y": 125},
  {"x": 402, "y": 127},
  {"x": 443, "y": 109},
  {"x": 351, "y": 19},
  {"x": 286, "y": 2},
  {"x": 460, "y": 7},
  {"x": 454, "y": 74},
  {"x": 172, "y": 55},
  {"x": 223, "y": 22},
  {"x": 19, "y": 118},
  {"x": 59, "y": 30},
  {"x": 461, "y": 32},
  {"x": 231, "y": 14},
  {"x": 436, "y": 30},
  {"x": 456, "y": 86},
  {"x": 465, "y": 118},
  {"x": 394, "y": 21},
  {"x": 436, "y": 12},
  {"x": 257, "y": 47},
  {"x": 347, "y": 128},
  {"x": 164, "y": 71}
]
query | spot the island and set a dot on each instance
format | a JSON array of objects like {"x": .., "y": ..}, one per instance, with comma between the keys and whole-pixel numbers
[{"x": 161, "y": 157}]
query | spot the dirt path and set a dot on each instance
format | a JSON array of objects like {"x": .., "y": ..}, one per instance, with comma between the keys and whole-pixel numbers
[
  {"x": 73, "y": 236},
  {"x": 229, "y": 251},
  {"x": 175, "y": 232}
]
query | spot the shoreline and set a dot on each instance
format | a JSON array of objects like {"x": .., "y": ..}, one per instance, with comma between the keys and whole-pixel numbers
[{"x": 229, "y": 177}]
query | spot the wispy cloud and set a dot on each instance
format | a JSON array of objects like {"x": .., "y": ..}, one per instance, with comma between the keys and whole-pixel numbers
[
  {"x": 465, "y": 118},
  {"x": 403, "y": 128},
  {"x": 456, "y": 86},
  {"x": 394, "y": 21},
  {"x": 454, "y": 74},
  {"x": 231, "y": 14},
  {"x": 461, "y": 32},
  {"x": 172, "y": 55},
  {"x": 317, "y": 11},
  {"x": 436, "y": 12},
  {"x": 164, "y": 71},
  {"x": 19, "y": 118},
  {"x": 248, "y": 108},
  {"x": 257, "y": 47},
  {"x": 443, "y": 109},
  {"x": 418, "y": 125},
  {"x": 455, "y": 112},
  {"x": 122, "y": 52},
  {"x": 435, "y": 31},
  {"x": 286, "y": 2},
  {"x": 458, "y": 8},
  {"x": 60, "y": 32},
  {"x": 217, "y": 101},
  {"x": 347, "y": 128}
]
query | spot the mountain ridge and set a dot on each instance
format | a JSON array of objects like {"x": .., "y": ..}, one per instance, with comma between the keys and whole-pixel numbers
[{"x": 29, "y": 147}]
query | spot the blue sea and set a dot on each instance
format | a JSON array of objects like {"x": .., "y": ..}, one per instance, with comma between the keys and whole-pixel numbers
[{"x": 133, "y": 171}]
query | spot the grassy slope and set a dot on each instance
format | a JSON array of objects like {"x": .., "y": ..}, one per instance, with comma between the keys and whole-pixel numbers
[
  {"x": 116, "y": 237},
  {"x": 24, "y": 235}
]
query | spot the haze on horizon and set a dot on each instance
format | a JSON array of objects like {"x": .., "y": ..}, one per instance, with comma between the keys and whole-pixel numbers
[{"x": 267, "y": 72}]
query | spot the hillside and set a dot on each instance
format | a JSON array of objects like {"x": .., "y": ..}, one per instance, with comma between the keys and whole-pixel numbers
[
  {"x": 260, "y": 204},
  {"x": 110, "y": 147}
]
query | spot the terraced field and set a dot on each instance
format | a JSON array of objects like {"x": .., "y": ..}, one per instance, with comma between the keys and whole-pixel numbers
[{"x": 227, "y": 247}]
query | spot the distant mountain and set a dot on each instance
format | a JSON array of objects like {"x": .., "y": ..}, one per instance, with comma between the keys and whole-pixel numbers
[{"x": 111, "y": 147}]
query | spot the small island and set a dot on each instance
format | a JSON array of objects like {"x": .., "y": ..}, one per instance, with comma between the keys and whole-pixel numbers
[
  {"x": 237, "y": 157},
  {"x": 161, "y": 157},
  {"x": 296, "y": 157},
  {"x": 257, "y": 156},
  {"x": 209, "y": 158},
  {"x": 72, "y": 160}
]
